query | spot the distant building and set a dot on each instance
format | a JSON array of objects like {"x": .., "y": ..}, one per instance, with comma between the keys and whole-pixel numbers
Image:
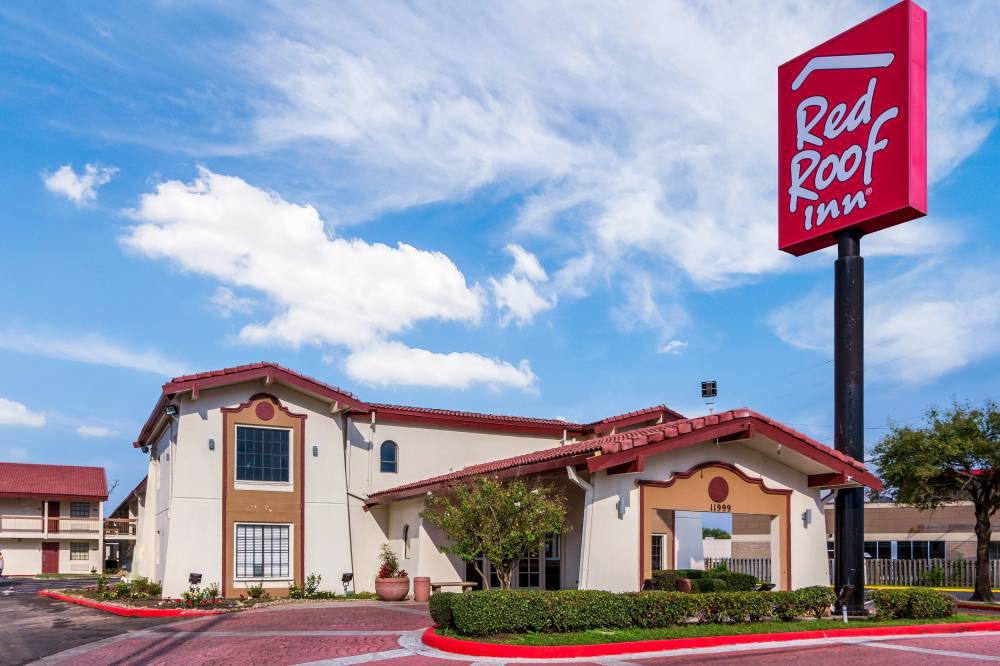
[
  {"x": 892, "y": 532},
  {"x": 51, "y": 518}
]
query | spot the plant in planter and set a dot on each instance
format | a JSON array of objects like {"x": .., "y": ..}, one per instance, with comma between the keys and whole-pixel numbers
[{"x": 391, "y": 583}]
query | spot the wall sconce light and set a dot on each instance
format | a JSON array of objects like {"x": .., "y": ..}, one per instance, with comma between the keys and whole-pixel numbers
[
  {"x": 170, "y": 410},
  {"x": 211, "y": 445},
  {"x": 807, "y": 517},
  {"x": 315, "y": 452}
]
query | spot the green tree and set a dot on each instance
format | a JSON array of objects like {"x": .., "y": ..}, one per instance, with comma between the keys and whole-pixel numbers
[
  {"x": 954, "y": 456},
  {"x": 715, "y": 533},
  {"x": 501, "y": 520}
]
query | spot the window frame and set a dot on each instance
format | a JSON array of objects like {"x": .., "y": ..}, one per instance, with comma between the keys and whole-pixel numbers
[
  {"x": 661, "y": 540},
  {"x": 290, "y": 576},
  {"x": 395, "y": 457},
  {"x": 255, "y": 484},
  {"x": 74, "y": 546},
  {"x": 75, "y": 506}
]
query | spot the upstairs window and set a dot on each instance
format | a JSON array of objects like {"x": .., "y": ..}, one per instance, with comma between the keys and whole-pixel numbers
[
  {"x": 261, "y": 454},
  {"x": 79, "y": 510},
  {"x": 388, "y": 455}
]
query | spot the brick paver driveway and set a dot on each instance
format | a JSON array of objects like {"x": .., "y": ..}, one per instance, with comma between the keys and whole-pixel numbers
[{"x": 346, "y": 633}]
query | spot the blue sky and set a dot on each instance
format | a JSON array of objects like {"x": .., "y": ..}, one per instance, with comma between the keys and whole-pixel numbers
[{"x": 542, "y": 210}]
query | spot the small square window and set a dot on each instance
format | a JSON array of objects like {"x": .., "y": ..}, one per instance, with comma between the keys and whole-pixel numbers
[
  {"x": 79, "y": 550},
  {"x": 79, "y": 510}
]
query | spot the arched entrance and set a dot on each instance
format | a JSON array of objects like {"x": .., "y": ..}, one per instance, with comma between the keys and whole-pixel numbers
[{"x": 714, "y": 487}]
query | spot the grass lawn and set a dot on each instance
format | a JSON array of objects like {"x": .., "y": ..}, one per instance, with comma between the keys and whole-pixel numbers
[{"x": 594, "y": 636}]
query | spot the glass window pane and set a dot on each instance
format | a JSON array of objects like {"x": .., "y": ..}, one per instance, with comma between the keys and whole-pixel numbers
[
  {"x": 904, "y": 550},
  {"x": 261, "y": 454},
  {"x": 262, "y": 551},
  {"x": 937, "y": 550},
  {"x": 388, "y": 457}
]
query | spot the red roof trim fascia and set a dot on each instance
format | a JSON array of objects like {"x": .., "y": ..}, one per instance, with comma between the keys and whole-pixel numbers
[
  {"x": 651, "y": 446},
  {"x": 56, "y": 496},
  {"x": 469, "y": 421},
  {"x": 386, "y": 497}
]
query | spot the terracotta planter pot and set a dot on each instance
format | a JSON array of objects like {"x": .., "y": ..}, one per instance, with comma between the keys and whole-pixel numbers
[
  {"x": 392, "y": 589},
  {"x": 421, "y": 588},
  {"x": 684, "y": 585}
]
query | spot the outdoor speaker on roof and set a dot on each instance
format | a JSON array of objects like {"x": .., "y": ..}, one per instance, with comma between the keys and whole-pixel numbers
[{"x": 708, "y": 389}]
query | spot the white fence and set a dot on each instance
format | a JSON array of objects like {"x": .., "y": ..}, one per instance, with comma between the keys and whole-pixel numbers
[
  {"x": 937, "y": 572},
  {"x": 758, "y": 567}
]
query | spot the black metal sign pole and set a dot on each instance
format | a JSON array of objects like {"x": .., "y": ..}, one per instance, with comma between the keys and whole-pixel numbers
[{"x": 848, "y": 364}]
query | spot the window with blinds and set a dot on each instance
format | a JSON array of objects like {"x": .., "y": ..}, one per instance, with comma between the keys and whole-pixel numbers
[{"x": 262, "y": 551}]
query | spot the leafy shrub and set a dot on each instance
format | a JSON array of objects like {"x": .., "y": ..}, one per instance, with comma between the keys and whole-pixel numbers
[
  {"x": 816, "y": 600},
  {"x": 388, "y": 563},
  {"x": 915, "y": 603},
  {"x": 662, "y": 609},
  {"x": 926, "y": 604},
  {"x": 310, "y": 589},
  {"x": 576, "y": 610},
  {"x": 738, "y": 582},
  {"x": 102, "y": 583},
  {"x": 256, "y": 590},
  {"x": 666, "y": 580},
  {"x": 704, "y": 585},
  {"x": 934, "y": 577},
  {"x": 440, "y": 606},
  {"x": 499, "y": 611},
  {"x": 693, "y": 573},
  {"x": 786, "y": 606}
]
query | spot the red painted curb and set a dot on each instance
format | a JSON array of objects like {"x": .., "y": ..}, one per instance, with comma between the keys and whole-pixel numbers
[
  {"x": 129, "y": 612},
  {"x": 475, "y": 649},
  {"x": 978, "y": 605}
]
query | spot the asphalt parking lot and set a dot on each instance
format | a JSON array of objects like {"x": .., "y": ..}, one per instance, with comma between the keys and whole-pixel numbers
[{"x": 32, "y": 627}]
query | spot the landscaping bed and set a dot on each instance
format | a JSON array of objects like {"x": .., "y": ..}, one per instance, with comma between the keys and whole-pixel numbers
[
  {"x": 603, "y": 636},
  {"x": 141, "y": 596},
  {"x": 470, "y": 623}
]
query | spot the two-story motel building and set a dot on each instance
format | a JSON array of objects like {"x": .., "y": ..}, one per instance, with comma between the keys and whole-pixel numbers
[{"x": 258, "y": 473}]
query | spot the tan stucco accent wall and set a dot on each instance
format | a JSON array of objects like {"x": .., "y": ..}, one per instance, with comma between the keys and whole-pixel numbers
[
  {"x": 689, "y": 491},
  {"x": 263, "y": 506}
]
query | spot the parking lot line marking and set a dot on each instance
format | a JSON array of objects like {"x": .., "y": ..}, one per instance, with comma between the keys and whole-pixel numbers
[
  {"x": 931, "y": 651},
  {"x": 361, "y": 658}
]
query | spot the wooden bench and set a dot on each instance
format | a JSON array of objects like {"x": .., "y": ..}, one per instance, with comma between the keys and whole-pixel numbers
[{"x": 464, "y": 584}]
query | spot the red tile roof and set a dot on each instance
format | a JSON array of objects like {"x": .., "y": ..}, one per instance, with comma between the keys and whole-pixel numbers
[
  {"x": 196, "y": 382},
  {"x": 53, "y": 481},
  {"x": 621, "y": 442}
]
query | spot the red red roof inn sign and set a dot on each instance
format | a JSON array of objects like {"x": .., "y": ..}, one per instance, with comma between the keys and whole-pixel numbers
[{"x": 852, "y": 131}]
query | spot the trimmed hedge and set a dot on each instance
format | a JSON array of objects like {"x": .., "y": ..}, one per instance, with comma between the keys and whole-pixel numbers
[
  {"x": 703, "y": 581},
  {"x": 440, "y": 607},
  {"x": 913, "y": 603},
  {"x": 703, "y": 585},
  {"x": 521, "y": 611}
]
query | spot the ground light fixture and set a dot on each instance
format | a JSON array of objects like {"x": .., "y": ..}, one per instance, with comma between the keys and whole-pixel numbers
[{"x": 346, "y": 580}]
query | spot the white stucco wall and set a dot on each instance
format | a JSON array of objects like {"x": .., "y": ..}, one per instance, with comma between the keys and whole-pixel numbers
[
  {"x": 22, "y": 557},
  {"x": 425, "y": 452},
  {"x": 689, "y": 552},
  {"x": 615, "y": 548}
]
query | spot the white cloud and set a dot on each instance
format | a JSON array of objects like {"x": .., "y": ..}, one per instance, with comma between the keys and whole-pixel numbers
[
  {"x": 517, "y": 294},
  {"x": 644, "y": 130},
  {"x": 226, "y": 303},
  {"x": 16, "y": 414},
  {"x": 87, "y": 348},
  {"x": 328, "y": 290},
  {"x": 80, "y": 188},
  {"x": 94, "y": 431},
  {"x": 395, "y": 363},
  {"x": 920, "y": 325},
  {"x": 645, "y": 306},
  {"x": 674, "y": 347}
]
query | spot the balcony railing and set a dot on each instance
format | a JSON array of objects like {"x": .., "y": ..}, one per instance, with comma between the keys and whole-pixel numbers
[
  {"x": 13, "y": 524},
  {"x": 120, "y": 526}
]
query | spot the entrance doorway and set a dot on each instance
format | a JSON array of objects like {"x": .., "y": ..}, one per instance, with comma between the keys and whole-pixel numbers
[
  {"x": 538, "y": 572},
  {"x": 670, "y": 510},
  {"x": 50, "y": 557}
]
